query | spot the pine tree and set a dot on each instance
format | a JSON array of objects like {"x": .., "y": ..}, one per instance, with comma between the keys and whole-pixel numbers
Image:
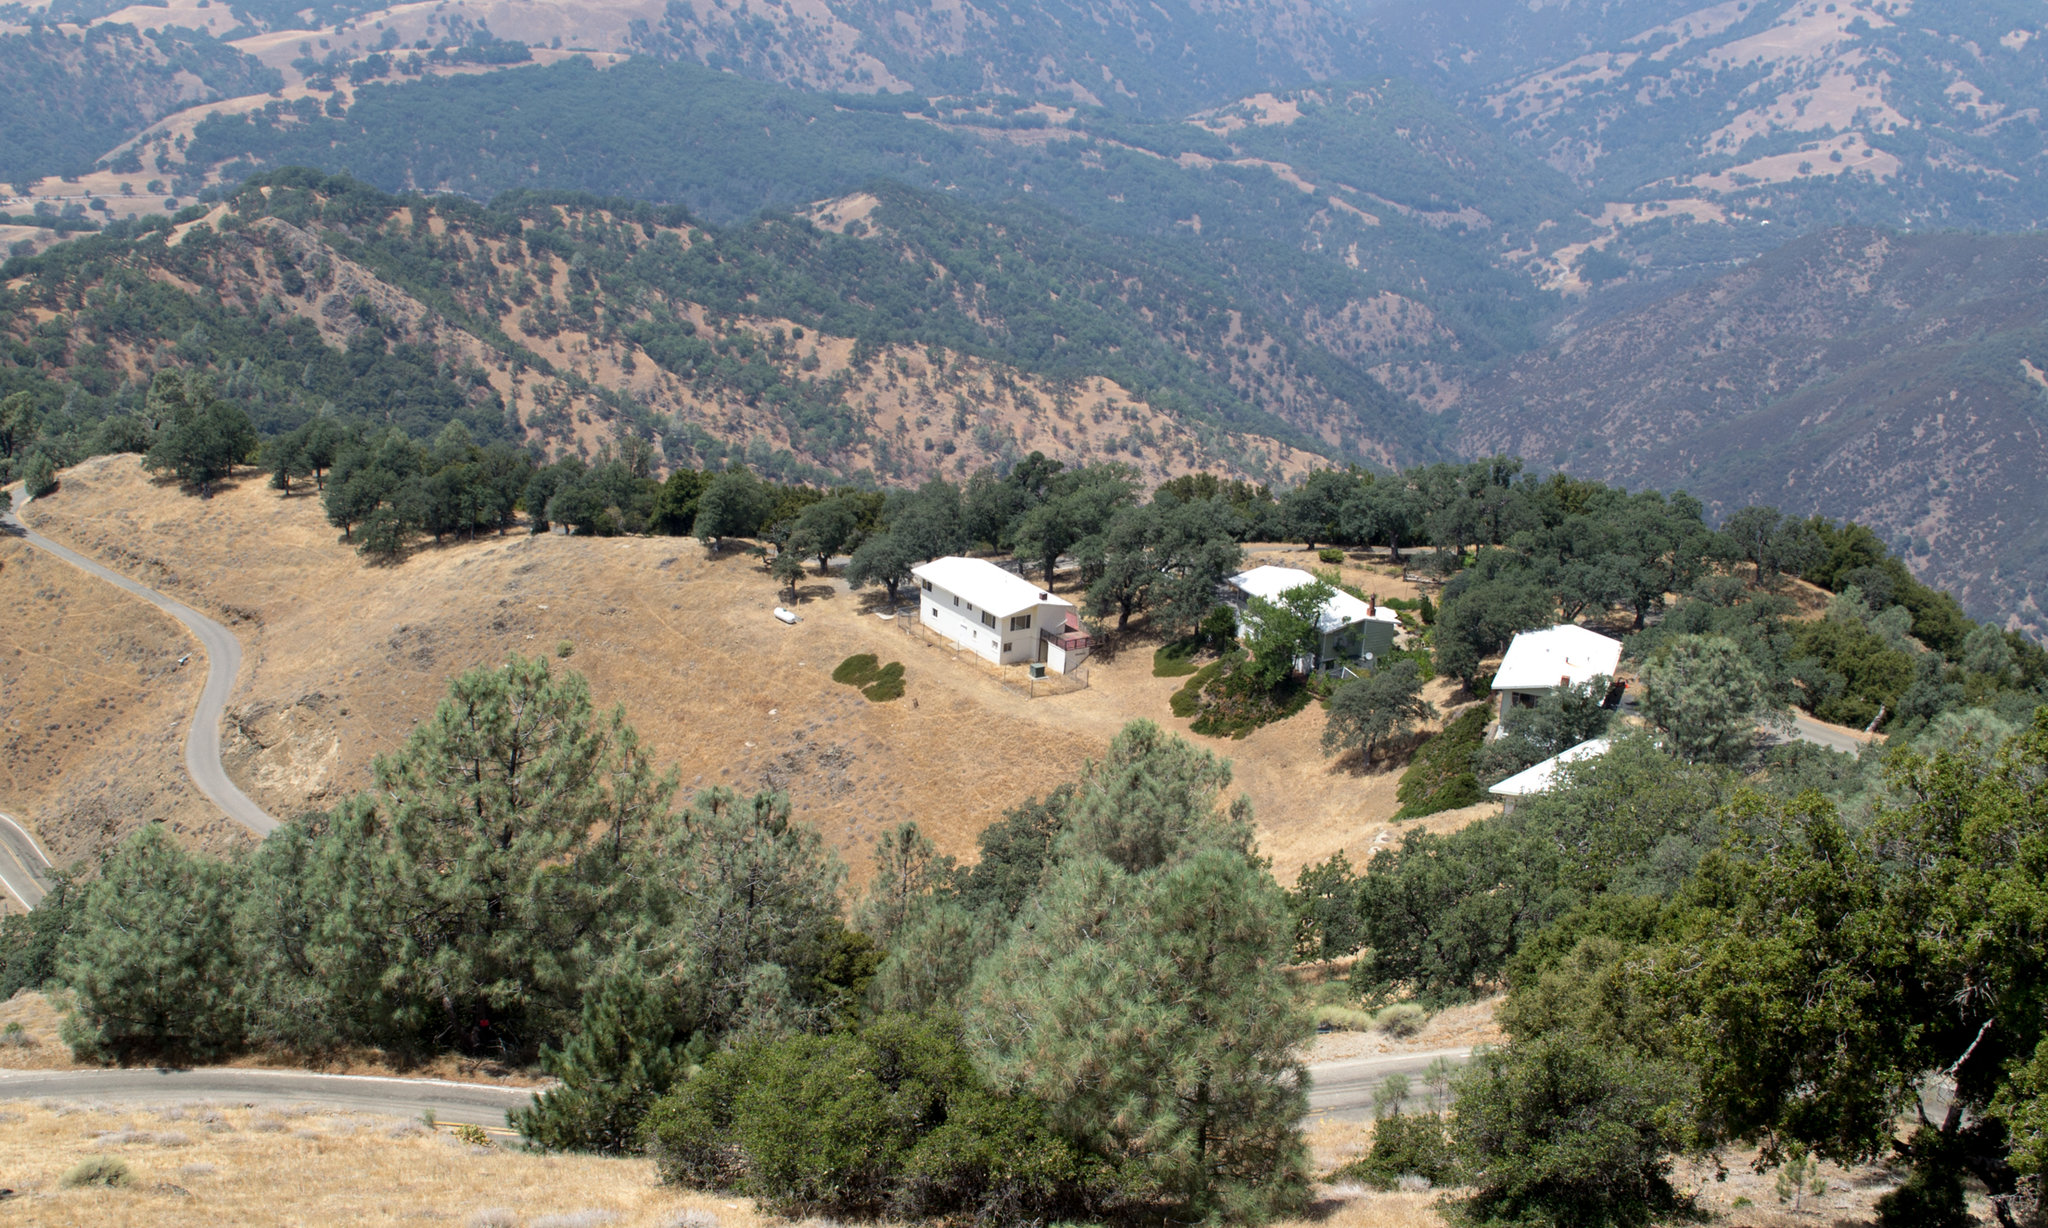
[
  {"x": 752, "y": 889},
  {"x": 151, "y": 957},
  {"x": 908, "y": 870},
  {"x": 507, "y": 846},
  {"x": 622, "y": 1057},
  {"x": 1142, "y": 995}
]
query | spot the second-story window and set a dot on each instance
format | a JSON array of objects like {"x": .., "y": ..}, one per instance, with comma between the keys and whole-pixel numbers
[
  {"x": 987, "y": 619},
  {"x": 1021, "y": 623}
]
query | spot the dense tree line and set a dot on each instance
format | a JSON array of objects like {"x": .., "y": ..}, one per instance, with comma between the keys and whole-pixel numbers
[{"x": 521, "y": 881}]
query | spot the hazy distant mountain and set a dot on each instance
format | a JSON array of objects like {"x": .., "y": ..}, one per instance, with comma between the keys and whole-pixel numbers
[{"x": 1897, "y": 379}]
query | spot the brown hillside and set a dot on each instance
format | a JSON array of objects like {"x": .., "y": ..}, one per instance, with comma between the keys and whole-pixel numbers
[
  {"x": 93, "y": 703},
  {"x": 342, "y": 659}
]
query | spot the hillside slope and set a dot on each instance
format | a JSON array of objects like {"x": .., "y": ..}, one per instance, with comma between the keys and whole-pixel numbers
[
  {"x": 342, "y": 660},
  {"x": 894, "y": 351},
  {"x": 1899, "y": 380}
]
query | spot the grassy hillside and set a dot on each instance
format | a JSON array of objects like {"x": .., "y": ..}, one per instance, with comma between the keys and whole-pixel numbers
[
  {"x": 1310, "y": 200},
  {"x": 66, "y": 97},
  {"x": 567, "y": 321},
  {"x": 1895, "y": 379},
  {"x": 344, "y": 659}
]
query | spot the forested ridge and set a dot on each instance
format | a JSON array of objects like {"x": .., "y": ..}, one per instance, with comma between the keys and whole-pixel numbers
[{"x": 556, "y": 319}]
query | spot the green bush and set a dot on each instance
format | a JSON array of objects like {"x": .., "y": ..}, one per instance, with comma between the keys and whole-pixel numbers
[
  {"x": 1565, "y": 1129},
  {"x": 1187, "y": 701},
  {"x": 1405, "y": 1145},
  {"x": 1401, "y": 1019},
  {"x": 1173, "y": 660},
  {"x": 887, "y": 684},
  {"x": 106, "y": 1171},
  {"x": 863, "y": 671},
  {"x": 891, "y": 1120},
  {"x": 1330, "y": 554},
  {"x": 39, "y": 476},
  {"x": 1344, "y": 1018},
  {"x": 857, "y": 670},
  {"x": 1441, "y": 776},
  {"x": 1227, "y": 700}
]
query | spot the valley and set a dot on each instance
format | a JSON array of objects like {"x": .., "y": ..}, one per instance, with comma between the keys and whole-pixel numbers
[{"x": 742, "y": 541}]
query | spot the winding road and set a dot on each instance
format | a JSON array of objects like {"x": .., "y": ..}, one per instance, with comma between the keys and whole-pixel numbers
[
  {"x": 223, "y": 662},
  {"x": 23, "y": 863}
]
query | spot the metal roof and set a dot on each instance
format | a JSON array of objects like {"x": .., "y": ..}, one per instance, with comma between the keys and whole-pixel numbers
[
  {"x": 985, "y": 585},
  {"x": 1538, "y": 660},
  {"x": 1269, "y": 583},
  {"x": 1540, "y": 778}
]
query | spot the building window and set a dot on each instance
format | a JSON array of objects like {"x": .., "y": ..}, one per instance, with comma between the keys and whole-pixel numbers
[
  {"x": 1021, "y": 623},
  {"x": 987, "y": 619},
  {"x": 925, "y": 584},
  {"x": 1006, "y": 647},
  {"x": 956, "y": 601}
]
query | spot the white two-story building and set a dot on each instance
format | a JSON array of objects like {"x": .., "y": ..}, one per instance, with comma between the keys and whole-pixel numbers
[{"x": 999, "y": 615}]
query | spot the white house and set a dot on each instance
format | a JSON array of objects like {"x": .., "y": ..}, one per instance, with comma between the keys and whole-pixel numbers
[
  {"x": 1541, "y": 778},
  {"x": 1351, "y": 628},
  {"x": 1538, "y": 662},
  {"x": 999, "y": 615}
]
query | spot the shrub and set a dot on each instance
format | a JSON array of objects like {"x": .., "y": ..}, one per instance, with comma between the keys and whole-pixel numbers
[
  {"x": 1405, "y": 1145},
  {"x": 1330, "y": 554},
  {"x": 1565, "y": 1130},
  {"x": 470, "y": 1133},
  {"x": 857, "y": 670},
  {"x": 106, "y": 1171},
  {"x": 891, "y": 1120},
  {"x": 565, "y": 649},
  {"x": 863, "y": 671},
  {"x": 1441, "y": 776},
  {"x": 887, "y": 684},
  {"x": 1228, "y": 698},
  {"x": 1173, "y": 660},
  {"x": 1401, "y": 1019},
  {"x": 1344, "y": 1018},
  {"x": 39, "y": 476}
]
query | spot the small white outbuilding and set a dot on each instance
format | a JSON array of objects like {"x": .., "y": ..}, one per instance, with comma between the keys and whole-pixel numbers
[
  {"x": 1353, "y": 631},
  {"x": 1539, "y": 662},
  {"x": 1543, "y": 777},
  {"x": 999, "y": 615}
]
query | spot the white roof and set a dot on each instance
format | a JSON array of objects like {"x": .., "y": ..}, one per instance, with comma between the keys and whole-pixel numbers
[
  {"x": 983, "y": 584},
  {"x": 1268, "y": 583},
  {"x": 1538, "y": 779},
  {"x": 1538, "y": 660}
]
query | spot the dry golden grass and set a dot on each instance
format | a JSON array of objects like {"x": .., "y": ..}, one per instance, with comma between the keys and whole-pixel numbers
[
  {"x": 42, "y": 1048},
  {"x": 342, "y": 659},
  {"x": 227, "y": 1166},
  {"x": 39, "y": 1048},
  {"x": 92, "y": 709}
]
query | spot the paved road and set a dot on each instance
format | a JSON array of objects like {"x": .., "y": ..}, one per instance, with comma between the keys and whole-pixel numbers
[
  {"x": 1834, "y": 737},
  {"x": 22, "y": 863},
  {"x": 450, "y": 1102},
  {"x": 1343, "y": 1091},
  {"x": 223, "y": 661},
  {"x": 1340, "y": 1090}
]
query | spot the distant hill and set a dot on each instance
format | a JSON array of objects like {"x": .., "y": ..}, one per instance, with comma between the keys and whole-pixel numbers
[
  {"x": 890, "y": 335},
  {"x": 1901, "y": 380}
]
